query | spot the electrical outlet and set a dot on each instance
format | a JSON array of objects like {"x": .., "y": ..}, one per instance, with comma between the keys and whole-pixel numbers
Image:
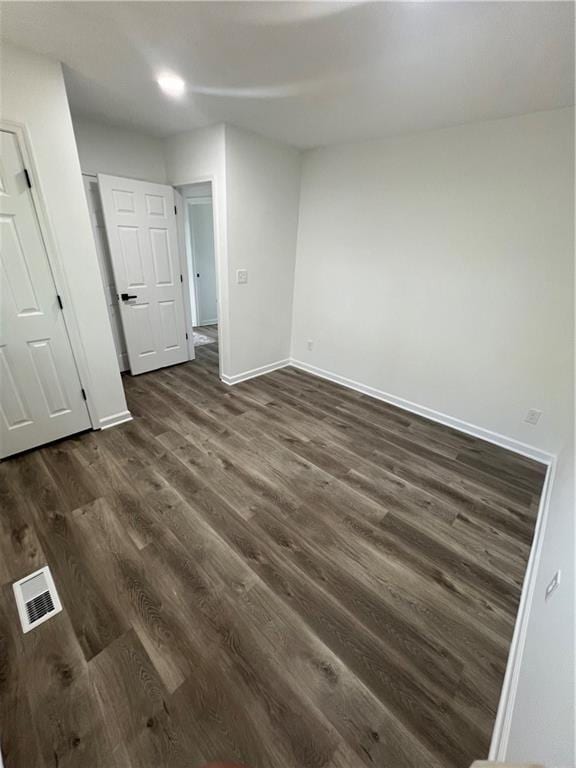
[
  {"x": 241, "y": 276},
  {"x": 310, "y": 344},
  {"x": 533, "y": 416},
  {"x": 554, "y": 584}
]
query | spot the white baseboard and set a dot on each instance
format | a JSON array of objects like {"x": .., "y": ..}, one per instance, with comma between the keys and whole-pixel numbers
[
  {"x": 237, "y": 378},
  {"x": 450, "y": 421},
  {"x": 115, "y": 419},
  {"x": 501, "y": 732}
]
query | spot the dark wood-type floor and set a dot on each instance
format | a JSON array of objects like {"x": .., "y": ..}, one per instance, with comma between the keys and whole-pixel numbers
[{"x": 285, "y": 573}]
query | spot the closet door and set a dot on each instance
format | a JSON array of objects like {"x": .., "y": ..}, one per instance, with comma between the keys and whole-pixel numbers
[{"x": 41, "y": 396}]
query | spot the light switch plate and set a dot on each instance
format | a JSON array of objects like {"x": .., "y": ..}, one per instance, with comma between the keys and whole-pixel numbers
[{"x": 241, "y": 276}]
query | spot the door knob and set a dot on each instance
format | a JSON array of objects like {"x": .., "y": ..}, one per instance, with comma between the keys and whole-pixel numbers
[{"x": 127, "y": 296}]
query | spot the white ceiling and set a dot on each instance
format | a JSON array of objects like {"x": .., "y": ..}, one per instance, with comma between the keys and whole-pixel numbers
[{"x": 306, "y": 73}]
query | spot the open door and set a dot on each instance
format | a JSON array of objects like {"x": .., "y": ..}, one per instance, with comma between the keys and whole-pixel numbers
[{"x": 141, "y": 227}]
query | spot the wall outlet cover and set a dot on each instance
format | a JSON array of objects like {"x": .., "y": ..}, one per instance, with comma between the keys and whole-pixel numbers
[
  {"x": 533, "y": 416},
  {"x": 241, "y": 276},
  {"x": 310, "y": 344}
]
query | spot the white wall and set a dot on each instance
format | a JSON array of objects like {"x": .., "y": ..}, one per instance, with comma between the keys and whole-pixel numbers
[
  {"x": 33, "y": 94},
  {"x": 263, "y": 181},
  {"x": 438, "y": 268},
  {"x": 119, "y": 152}
]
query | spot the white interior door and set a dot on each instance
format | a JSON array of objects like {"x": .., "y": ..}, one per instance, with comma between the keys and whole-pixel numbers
[
  {"x": 41, "y": 396},
  {"x": 141, "y": 228},
  {"x": 202, "y": 240},
  {"x": 99, "y": 231}
]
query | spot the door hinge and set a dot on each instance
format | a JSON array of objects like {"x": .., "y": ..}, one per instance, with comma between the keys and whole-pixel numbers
[
  {"x": 176, "y": 210},
  {"x": 181, "y": 279},
  {"x": 59, "y": 301},
  {"x": 186, "y": 337},
  {"x": 83, "y": 393},
  {"x": 28, "y": 180}
]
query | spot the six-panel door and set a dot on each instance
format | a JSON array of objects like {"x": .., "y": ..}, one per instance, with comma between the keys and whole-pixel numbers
[
  {"x": 40, "y": 390},
  {"x": 141, "y": 228}
]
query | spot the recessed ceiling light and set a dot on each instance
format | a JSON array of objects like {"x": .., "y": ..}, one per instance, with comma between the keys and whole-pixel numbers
[{"x": 172, "y": 85}]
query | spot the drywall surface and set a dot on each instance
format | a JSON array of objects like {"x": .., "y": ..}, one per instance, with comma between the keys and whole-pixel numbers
[
  {"x": 542, "y": 725},
  {"x": 199, "y": 157},
  {"x": 195, "y": 156},
  {"x": 119, "y": 152},
  {"x": 33, "y": 94},
  {"x": 438, "y": 268},
  {"x": 263, "y": 181}
]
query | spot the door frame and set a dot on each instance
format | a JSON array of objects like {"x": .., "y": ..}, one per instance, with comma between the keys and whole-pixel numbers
[
  {"x": 220, "y": 258},
  {"x": 26, "y": 147},
  {"x": 191, "y": 201},
  {"x": 182, "y": 235}
]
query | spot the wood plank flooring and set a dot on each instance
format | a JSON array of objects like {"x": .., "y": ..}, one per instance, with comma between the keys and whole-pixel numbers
[{"x": 283, "y": 573}]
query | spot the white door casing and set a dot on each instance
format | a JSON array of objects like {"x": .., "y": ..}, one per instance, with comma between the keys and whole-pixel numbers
[
  {"x": 180, "y": 204},
  {"x": 105, "y": 264},
  {"x": 141, "y": 228},
  {"x": 41, "y": 396}
]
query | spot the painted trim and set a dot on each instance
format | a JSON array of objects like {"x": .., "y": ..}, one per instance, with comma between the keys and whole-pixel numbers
[
  {"x": 237, "y": 378},
  {"x": 502, "y": 726},
  {"x": 115, "y": 419},
  {"x": 181, "y": 234},
  {"x": 450, "y": 421}
]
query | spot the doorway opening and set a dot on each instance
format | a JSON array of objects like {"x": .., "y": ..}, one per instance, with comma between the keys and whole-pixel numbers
[
  {"x": 198, "y": 218},
  {"x": 157, "y": 256}
]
